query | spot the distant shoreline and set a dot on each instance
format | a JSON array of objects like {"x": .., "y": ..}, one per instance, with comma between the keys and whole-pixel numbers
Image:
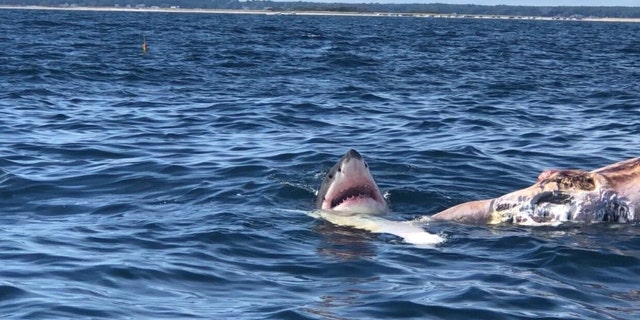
[{"x": 315, "y": 13}]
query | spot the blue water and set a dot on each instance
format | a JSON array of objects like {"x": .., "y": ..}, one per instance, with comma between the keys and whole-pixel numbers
[{"x": 175, "y": 184}]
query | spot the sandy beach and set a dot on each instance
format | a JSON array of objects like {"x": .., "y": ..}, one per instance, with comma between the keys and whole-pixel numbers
[{"x": 316, "y": 13}]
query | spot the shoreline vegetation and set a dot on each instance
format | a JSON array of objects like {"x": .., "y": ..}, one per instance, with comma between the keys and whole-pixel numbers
[{"x": 272, "y": 11}]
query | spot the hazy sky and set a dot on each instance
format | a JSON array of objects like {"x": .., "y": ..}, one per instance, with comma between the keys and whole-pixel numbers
[
  {"x": 627, "y": 3},
  {"x": 633, "y": 3}
]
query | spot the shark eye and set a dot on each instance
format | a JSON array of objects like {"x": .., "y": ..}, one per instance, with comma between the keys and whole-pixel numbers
[
  {"x": 366, "y": 165},
  {"x": 339, "y": 169},
  {"x": 330, "y": 176}
]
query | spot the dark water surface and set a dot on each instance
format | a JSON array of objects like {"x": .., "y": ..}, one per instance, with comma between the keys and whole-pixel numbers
[{"x": 175, "y": 184}]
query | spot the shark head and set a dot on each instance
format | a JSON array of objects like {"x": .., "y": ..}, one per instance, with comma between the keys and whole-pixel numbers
[{"x": 349, "y": 187}]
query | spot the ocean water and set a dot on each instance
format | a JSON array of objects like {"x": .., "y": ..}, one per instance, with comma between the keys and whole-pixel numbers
[{"x": 176, "y": 184}]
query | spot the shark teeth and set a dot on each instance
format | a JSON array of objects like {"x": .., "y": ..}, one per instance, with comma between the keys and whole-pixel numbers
[{"x": 352, "y": 193}]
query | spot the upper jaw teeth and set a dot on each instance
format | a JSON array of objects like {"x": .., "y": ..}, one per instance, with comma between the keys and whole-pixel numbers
[{"x": 353, "y": 193}]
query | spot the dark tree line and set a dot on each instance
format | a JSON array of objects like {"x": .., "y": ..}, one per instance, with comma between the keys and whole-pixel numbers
[{"x": 434, "y": 8}]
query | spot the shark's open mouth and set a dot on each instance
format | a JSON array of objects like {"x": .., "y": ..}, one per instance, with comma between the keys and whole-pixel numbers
[
  {"x": 353, "y": 193},
  {"x": 349, "y": 187}
]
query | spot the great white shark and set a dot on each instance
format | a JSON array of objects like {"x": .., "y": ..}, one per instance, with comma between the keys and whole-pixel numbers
[
  {"x": 610, "y": 193},
  {"x": 350, "y": 187},
  {"x": 349, "y": 196}
]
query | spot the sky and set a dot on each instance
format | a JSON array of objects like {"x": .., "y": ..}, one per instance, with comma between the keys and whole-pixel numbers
[
  {"x": 625, "y": 3},
  {"x": 629, "y": 3}
]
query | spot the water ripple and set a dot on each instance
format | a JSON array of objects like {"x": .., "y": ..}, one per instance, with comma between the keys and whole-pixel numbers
[{"x": 175, "y": 184}]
